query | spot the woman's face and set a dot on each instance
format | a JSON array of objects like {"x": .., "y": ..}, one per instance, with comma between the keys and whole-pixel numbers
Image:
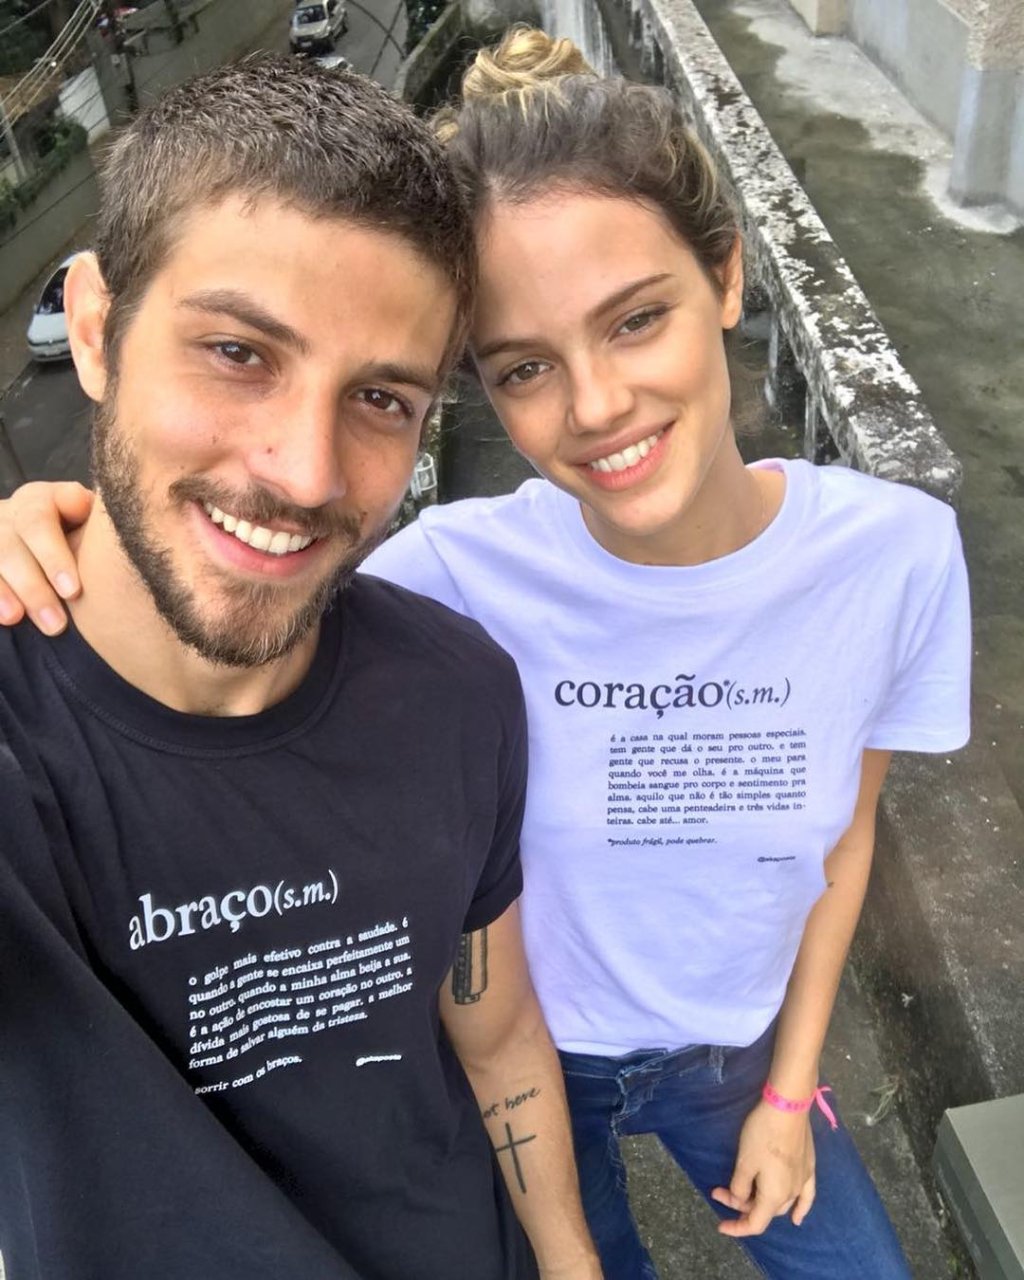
[{"x": 599, "y": 340}]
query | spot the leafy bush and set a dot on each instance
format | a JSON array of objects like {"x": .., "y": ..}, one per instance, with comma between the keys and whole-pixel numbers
[
  {"x": 21, "y": 45},
  {"x": 57, "y": 143},
  {"x": 422, "y": 14}
]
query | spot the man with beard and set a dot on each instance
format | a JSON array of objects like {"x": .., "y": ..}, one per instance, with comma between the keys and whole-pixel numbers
[{"x": 248, "y": 835}]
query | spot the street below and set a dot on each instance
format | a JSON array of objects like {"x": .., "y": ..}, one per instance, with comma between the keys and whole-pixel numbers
[{"x": 46, "y": 414}]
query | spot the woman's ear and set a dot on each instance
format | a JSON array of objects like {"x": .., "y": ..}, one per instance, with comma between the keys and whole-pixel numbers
[
  {"x": 86, "y": 304},
  {"x": 731, "y": 276}
]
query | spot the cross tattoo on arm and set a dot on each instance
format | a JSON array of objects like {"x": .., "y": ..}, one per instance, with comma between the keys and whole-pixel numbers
[{"x": 510, "y": 1146}]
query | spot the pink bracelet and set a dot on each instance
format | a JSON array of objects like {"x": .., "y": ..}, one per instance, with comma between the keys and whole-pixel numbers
[{"x": 780, "y": 1103}]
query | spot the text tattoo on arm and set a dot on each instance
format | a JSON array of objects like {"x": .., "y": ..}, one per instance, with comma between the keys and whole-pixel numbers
[{"x": 469, "y": 973}]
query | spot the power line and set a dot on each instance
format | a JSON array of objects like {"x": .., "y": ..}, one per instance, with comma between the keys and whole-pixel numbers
[
  {"x": 33, "y": 84},
  {"x": 90, "y": 176},
  {"x": 155, "y": 73},
  {"x": 25, "y": 17}
]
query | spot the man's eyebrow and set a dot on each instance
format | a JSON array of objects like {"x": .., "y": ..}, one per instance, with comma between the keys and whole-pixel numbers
[
  {"x": 613, "y": 300},
  {"x": 238, "y": 305},
  {"x": 420, "y": 376}
]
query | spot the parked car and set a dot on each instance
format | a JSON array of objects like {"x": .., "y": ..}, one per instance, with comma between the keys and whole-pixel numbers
[
  {"x": 333, "y": 62},
  {"x": 48, "y": 329},
  {"x": 317, "y": 26}
]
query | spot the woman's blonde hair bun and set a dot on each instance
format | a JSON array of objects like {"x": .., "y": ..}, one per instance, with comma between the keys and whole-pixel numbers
[{"x": 525, "y": 57}]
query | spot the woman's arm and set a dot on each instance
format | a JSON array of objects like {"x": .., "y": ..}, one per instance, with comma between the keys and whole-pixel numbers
[
  {"x": 774, "y": 1170},
  {"x": 37, "y": 567}
]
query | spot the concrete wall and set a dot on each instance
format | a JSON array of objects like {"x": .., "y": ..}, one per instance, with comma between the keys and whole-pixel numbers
[
  {"x": 823, "y": 17},
  {"x": 81, "y": 99},
  {"x": 997, "y": 33},
  {"x": 58, "y": 213},
  {"x": 961, "y": 62},
  {"x": 922, "y": 45},
  {"x": 584, "y": 25}
]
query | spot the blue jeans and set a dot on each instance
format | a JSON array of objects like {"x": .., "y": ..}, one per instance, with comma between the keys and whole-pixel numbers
[{"x": 696, "y": 1100}]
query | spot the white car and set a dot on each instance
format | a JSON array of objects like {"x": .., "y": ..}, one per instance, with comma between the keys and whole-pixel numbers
[
  {"x": 333, "y": 62},
  {"x": 48, "y": 329},
  {"x": 317, "y": 26}
]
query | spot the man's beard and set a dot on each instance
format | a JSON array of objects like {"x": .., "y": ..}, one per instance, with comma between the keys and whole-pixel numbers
[{"x": 236, "y": 638}]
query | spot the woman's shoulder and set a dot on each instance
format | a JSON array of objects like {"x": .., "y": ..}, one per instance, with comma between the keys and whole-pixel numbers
[
  {"x": 451, "y": 547},
  {"x": 872, "y": 509},
  {"x": 505, "y": 513}
]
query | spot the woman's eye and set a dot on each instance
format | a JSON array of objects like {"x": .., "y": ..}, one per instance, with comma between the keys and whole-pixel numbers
[
  {"x": 237, "y": 353},
  {"x": 386, "y": 402},
  {"x": 523, "y": 373},
  {"x": 641, "y": 321}
]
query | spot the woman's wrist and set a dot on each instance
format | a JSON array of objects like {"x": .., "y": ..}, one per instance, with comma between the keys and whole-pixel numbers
[{"x": 800, "y": 1106}]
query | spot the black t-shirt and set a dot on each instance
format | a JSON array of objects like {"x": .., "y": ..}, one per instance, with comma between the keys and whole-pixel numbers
[{"x": 221, "y": 942}]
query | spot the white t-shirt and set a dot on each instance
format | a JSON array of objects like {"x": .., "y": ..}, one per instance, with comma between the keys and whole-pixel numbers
[{"x": 696, "y": 732}]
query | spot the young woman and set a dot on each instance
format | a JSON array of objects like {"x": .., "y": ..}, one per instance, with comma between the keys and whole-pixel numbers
[{"x": 718, "y": 660}]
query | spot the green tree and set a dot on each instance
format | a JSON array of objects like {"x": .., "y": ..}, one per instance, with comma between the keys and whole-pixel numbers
[
  {"x": 422, "y": 14},
  {"x": 25, "y": 34}
]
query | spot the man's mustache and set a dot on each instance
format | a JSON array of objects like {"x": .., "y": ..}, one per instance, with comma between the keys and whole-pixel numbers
[{"x": 260, "y": 507}]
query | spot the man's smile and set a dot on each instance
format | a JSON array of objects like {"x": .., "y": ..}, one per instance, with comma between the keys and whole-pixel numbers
[{"x": 275, "y": 542}]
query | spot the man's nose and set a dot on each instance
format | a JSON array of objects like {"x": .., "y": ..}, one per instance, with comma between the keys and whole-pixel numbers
[
  {"x": 298, "y": 455},
  {"x": 599, "y": 396}
]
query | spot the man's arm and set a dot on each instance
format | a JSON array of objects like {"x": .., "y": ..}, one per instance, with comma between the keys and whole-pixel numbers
[
  {"x": 774, "y": 1170},
  {"x": 494, "y": 1022}
]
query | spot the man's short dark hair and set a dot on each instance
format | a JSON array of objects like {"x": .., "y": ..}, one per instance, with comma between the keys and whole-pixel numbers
[{"x": 333, "y": 144}]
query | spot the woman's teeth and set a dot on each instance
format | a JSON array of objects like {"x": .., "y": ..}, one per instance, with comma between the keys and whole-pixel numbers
[
  {"x": 277, "y": 543},
  {"x": 629, "y": 456}
]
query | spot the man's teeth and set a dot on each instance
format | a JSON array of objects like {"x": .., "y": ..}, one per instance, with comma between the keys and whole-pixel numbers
[
  {"x": 255, "y": 535},
  {"x": 629, "y": 456}
]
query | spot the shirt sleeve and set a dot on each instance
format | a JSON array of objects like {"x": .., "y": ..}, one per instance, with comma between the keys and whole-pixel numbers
[
  {"x": 409, "y": 560},
  {"x": 501, "y": 881},
  {"x": 928, "y": 704}
]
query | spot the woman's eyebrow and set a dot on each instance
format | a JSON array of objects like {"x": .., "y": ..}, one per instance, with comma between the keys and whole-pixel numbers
[{"x": 613, "y": 300}]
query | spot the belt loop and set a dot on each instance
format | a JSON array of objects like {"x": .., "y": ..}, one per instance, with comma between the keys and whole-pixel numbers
[{"x": 716, "y": 1061}]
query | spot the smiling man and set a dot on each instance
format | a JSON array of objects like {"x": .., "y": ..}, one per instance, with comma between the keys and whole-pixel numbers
[{"x": 261, "y": 980}]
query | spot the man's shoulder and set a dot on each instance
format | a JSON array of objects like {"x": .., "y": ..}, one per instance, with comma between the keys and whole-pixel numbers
[
  {"x": 403, "y": 621},
  {"x": 22, "y": 675}
]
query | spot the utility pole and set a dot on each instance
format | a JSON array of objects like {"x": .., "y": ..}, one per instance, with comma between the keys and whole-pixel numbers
[
  {"x": 121, "y": 51},
  {"x": 59, "y": 15},
  {"x": 177, "y": 27}
]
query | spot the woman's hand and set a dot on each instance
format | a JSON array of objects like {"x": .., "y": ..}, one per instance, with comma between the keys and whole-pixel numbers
[
  {"x": 37, "y": 567},
  {"x": 774, "y": 1172}
]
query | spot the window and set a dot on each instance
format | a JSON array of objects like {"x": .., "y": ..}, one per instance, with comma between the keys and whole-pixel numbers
[{"x": 52, "y": 301}]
